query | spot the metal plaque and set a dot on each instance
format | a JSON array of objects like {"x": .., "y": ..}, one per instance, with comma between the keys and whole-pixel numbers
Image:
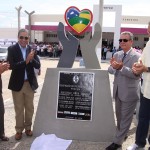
[{"x": 75, "y": 95}]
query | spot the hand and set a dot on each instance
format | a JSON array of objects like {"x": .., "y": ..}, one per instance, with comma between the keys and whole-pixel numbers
[
  {"x": 116, "y": 64},
  {"x": 30, "y": 56},
  {"x": 4, "y": 67},
  {"x": 88, "y": 45},
  {"x": 139, "y": 68},
  {"x": 112, "y": 60},
  {"x": 70, "y": 45}
]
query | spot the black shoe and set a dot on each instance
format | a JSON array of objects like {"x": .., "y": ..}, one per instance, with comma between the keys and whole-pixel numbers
[
  {"x": 135, "y": 112},
  {"x": 125, "y": 138},
  {"x": 113, "y": 146}
]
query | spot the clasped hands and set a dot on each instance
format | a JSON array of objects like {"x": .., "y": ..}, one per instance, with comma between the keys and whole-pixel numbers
[
  {"x": 4, "y": 66},
  {"x": 116, "y": 64},
  {"x": 30, "y": 56},
  {"x": 139, "y": 68}
]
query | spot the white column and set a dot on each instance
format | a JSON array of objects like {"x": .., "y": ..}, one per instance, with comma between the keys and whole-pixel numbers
[
  {"x": 98, "y": 17},
  {"x": 18, "y": 10},
  {"x": 117, "y": 26}
]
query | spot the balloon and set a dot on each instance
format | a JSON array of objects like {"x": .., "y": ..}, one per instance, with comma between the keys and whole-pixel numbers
[{"x": 77, "y": 20}]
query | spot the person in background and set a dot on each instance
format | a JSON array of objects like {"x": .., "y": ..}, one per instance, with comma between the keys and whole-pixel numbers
[
  {"x": 126, "y": 89},
  {"x": 102, "y": 52},
  {"x": 23, "y": 82},
  {"x": 3, "y": 68},
  {"x": 114, "y": 50},
  {"x": 105, "y": 52},
  {"x": 143, "y": 67}
]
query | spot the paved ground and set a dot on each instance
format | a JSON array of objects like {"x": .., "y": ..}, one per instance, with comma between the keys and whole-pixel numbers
[{"x": 26, "y": 142}]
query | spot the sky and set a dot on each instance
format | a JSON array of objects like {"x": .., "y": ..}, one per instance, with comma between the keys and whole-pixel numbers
[{"x": 9, "y": 15}]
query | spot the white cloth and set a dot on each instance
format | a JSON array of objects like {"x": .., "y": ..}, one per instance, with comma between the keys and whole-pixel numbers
[
  {"x": 49, "y": 142},
  {"x": 145, "y": 57}
]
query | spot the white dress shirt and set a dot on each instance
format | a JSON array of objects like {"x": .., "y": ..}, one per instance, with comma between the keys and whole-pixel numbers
[{"x": 145, "y": 57}]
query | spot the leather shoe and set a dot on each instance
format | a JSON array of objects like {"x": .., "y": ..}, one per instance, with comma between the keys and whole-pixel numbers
[
  {"x": 125, "y": 138},
  {"x": 29, "y": 132},
  {"x": 4, "y": 138},
  {"x": 18, "y": 136},
  {"x": 113, "y": 146}
]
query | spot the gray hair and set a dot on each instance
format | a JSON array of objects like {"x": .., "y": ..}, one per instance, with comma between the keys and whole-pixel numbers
[
  {"x": 149, "y": 23},
  {"x": 128, "y": 33},
  {"x": 22, "y": 30}
]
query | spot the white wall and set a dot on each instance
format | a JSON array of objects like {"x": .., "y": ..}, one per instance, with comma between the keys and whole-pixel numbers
[
  {"x": 38, "y": 35},
  {"x": 8, "y": 33}
]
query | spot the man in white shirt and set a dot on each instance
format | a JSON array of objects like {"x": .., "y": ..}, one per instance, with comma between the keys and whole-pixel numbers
[{"x": 143, "y": 66}]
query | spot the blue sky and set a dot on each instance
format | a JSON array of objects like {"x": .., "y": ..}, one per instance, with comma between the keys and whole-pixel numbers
[{"x": 8, "y": 13}]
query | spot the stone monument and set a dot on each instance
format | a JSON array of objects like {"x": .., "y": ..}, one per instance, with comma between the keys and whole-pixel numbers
[{"x": 76, "y": 103}]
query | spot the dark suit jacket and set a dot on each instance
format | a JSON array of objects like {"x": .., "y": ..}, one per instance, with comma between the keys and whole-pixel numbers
[{"x": 18, "y": 66}]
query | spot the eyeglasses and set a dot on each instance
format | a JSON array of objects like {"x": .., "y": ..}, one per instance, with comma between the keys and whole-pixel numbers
[
  {"x": 123, "y": 40},
  {"x": 22, "y": 37}
]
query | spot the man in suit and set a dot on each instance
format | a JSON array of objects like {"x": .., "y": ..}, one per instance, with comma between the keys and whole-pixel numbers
[
  {"x": 23, "y": 82},
  {"x": 143, "y": 66},
  {"x": 126, "y": 89},
  {"x": 3, "y": 67}
]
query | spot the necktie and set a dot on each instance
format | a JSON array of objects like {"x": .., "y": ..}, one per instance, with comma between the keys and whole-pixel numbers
[{"x": 124, "y": 56}]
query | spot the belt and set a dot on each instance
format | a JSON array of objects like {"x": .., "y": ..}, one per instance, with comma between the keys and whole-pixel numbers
[{"x": 26, "y": 80}]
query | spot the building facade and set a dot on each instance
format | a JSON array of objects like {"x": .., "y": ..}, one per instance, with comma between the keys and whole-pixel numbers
[{"x": 110, "y": 35}]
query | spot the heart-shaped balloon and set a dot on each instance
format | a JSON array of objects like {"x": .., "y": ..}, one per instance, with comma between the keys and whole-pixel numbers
[{"x": 77, "y": 20}]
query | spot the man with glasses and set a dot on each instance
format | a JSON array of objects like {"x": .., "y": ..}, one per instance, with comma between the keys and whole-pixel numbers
[
  {"x": 126, "y": 89},
  {"x": 143, "y": 66},
  {"x": 23, "y": 82}
]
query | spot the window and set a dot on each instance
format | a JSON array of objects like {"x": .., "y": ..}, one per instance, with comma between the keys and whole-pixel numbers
[
  {"x": 146, "y": 39},
  {"x": 51, "y": 35},
  {"x": 136, "y": 38}
]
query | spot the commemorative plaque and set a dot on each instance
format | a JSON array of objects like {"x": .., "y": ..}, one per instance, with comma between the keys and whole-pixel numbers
[{"x": 75, "y": 95}]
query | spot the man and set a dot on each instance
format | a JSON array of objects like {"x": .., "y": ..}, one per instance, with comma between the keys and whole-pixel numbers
[
  {"x": 143, "y": 66},
  {"x": 126, "y": 87},
  {"x": 3, "y": 67},
  {"x": 23, "y": 82}
]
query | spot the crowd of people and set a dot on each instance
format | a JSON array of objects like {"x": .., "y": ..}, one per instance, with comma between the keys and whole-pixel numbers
[
  {"x": 47, "y": 49},
  {"x": 106, "y": 49},
  {"x": 128, "y": 65}
]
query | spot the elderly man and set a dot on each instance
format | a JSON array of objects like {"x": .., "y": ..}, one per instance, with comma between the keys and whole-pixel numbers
[
  {"x": 23, "y": 82},
  {"x": 126, "y": 90}
]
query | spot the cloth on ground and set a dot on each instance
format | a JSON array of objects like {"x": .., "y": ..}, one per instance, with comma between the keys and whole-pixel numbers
[{"x": 50, "y": 142}]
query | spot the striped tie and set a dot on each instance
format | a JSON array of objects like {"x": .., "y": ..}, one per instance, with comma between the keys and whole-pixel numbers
[{"x": 124, "y": 57}]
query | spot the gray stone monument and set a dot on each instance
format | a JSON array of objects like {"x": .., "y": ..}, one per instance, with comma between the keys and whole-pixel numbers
[{"x": 76, "y": 103}]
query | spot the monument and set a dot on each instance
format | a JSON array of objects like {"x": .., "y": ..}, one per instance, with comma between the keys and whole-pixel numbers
[{"x": 76, "y": 103}]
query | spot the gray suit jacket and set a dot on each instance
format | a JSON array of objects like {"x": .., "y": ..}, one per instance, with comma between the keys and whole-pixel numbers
[{"x": 126, "y": 84}]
